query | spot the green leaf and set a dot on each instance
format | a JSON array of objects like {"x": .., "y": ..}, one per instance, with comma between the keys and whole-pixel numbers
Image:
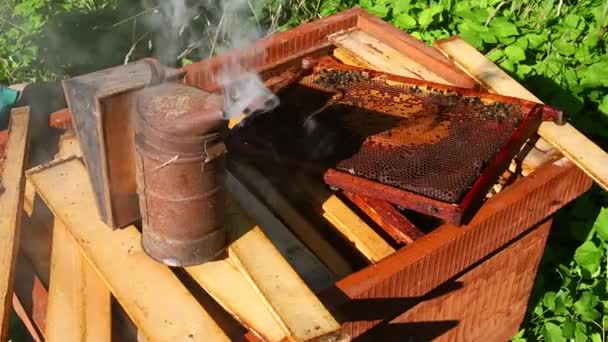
[
  {"x": 601, "y": 222},
  {"x": 588, "y": 256},
  {"x": 523, "y": 70},
  {"x": 565, "y": 48},
  {"x": 561, "y": 304},
  {"x": 488, "y": 37},
  {"x": 367, "y": 4},
  {"x": 519, "y": 336},
  {"x": 553, "y": 333},
  {"x": 595, "y": 75},
  {"x": 495, "y": 55},
  {"x": 522, "y": 42},
  {"x": 506, "y": 40},
  {"x": 535, "y": 40},
  {"x": 379, "y": 10},
  {"x": 515, "y": 53},
  {"x": 596, "y": 337},
  {"x": 405, "y": 21},
  {"x": 508, "y": 65},
  {"x": 329, "y": 7},
  {"x": 472, "y": 37},
  {"x": 402, "y": 6},
  {"x": 585, "y": 307},
  {"x": 603, "y": 107},
  {"x": 580, "y": 332},
  {"x": 571, "y": 20},
  {"x": 549, "y": 300},
  {"x": 568, "y": 328},
  {"x": 425, "y": 17},
  {"x": 503, "y": 28}
]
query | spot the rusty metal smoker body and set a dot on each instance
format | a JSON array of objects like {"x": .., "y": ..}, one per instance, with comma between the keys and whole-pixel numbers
[{"x": 180, "y": 161}]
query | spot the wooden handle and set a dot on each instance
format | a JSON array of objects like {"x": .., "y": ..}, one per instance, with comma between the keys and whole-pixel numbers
[{"x": 567, "y": 139}]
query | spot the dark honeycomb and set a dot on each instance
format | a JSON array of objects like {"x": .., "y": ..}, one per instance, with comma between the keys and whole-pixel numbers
[{"x": 426, "y": 141}]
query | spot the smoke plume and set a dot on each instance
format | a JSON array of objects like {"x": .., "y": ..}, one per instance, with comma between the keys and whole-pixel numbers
[{"x": 203, "y": 28}]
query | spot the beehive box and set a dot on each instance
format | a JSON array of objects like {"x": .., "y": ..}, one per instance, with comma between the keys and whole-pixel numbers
[{"x": 452, "y": 283}]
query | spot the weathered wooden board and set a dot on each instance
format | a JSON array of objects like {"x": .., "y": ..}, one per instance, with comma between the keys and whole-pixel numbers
[
  {"x": 309, "y": 268},
  {"x": 296, "y": 307},
  {"x": 75, "y": 289},
  {"x": 156, "y": 301},
  {"x": 11, "y": 209},
  {"x": 267, "y": 286},
  {"x": 261, "y": 187},
  {"x": 78, "y": 302},
  {"x": 373, "y": 53},
  {"x": 371, "y": 245}
]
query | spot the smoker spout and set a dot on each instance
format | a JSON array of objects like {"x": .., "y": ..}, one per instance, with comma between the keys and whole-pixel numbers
[{"x": 180, "y": 162}]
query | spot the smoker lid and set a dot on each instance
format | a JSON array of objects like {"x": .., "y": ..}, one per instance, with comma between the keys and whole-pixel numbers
[{"x": 177, "y": 109}]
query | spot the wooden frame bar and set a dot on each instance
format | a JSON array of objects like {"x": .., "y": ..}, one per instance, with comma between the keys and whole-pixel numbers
[{"x": 11, "y": 208}]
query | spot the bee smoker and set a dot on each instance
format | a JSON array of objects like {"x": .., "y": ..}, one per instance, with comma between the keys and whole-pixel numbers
[{"x": 180, "y": 166}]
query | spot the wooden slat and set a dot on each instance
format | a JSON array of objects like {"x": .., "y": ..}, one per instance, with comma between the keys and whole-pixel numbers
[
  {"x": 569, "y": 141},
  {"x": 153, "y": 297},
  {"x": 225, "y": 282},
  {"x": 347, "y": 222},
  {"x": 387, "y": 217},
  {"x": 272, "y": 300},
  {"x": 264, "y": 312},
  {"x": 299, "y": 311},
  {"x": 77, "y": 292},
  {"x": 11, "y": 209},
  {"x": 374, "y": 54},
  {"x": 299, "y": 225},
  {"x": 313, "y": 272}
]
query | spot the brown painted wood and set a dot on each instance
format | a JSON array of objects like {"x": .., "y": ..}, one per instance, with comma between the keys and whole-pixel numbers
[
  {"x": 436, "y": 257},
  {"x": 487, "y": 303},
  {"x": 410, "y": 200},
  {"x": 387, "y": 217}
]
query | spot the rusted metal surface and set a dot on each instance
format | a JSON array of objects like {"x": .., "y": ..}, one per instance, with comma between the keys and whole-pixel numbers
[
  {"x": 449, "y": 250},
  {"x": 180, "y": 173}
]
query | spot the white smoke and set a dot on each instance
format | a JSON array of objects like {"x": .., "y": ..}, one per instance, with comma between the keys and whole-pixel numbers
[{"x": 226, "y": 25}]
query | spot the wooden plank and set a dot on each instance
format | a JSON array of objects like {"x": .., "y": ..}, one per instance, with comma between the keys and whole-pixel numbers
[
  {"x": 374, "y": 53},
  {"x": 225, "y": 282},
  {"x": 347, "y": 222},
  {"x": 313, "y": 272},
  {"x": 299, "y": 225},
  {"x": 77, "y": 292},
  {"x": 567, "y": 139},
  {"x": 387, "y": 217},
  {"x": 153, "y": 297},
  {"x": 294, "y": 305},
  {"x": 11, "y": 209},
  {"x": 273, "y": 301}
]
